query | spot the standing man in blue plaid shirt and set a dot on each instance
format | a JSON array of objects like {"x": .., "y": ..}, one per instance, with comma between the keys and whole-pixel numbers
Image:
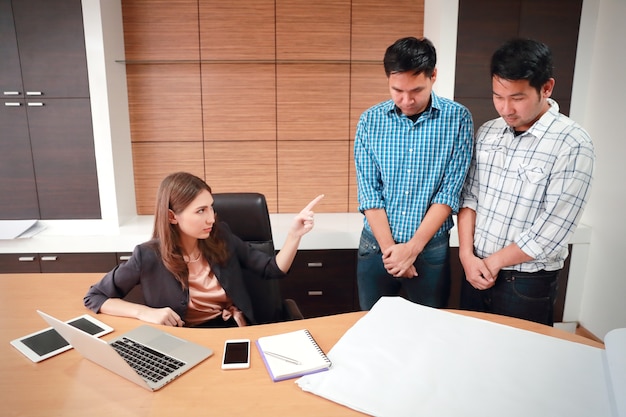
[
  {"x": 411, "y": 153},
  {"x": 526, "y": 189}
]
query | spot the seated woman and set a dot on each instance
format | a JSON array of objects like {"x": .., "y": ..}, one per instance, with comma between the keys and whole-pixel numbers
[{"x": 191, "y": 270}]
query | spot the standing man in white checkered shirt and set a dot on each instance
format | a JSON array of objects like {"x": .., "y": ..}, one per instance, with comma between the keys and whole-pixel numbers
[{"x": 526, "y": 189}]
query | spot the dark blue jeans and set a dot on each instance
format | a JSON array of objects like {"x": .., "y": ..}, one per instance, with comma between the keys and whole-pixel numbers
[
  {"x": 525, "y": 295},
  {"x": 431, "y": 287}
]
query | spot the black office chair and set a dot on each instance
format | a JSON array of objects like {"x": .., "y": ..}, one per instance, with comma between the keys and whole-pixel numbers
[{"x": 248, "y": 217}]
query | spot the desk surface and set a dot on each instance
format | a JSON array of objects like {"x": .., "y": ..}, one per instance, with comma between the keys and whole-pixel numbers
[{"x": 71, "y": 386}]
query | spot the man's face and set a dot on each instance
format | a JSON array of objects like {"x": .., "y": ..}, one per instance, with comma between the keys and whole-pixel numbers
[
  {"x": 410, "y": 92},
  {"x": 520, "y": 104}
]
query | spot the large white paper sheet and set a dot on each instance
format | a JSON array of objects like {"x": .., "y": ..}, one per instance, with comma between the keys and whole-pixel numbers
[
  {"x": 12, "y": 229},
  {"x": 615, "y": 343},
  {"x": 404, "y": 359}
]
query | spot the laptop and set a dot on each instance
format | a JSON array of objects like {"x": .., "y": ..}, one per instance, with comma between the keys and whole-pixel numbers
[{"x": 147, "y": 356}]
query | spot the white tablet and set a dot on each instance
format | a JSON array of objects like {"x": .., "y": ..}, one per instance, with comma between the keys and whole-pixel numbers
[{"x": 46, "y": 343}]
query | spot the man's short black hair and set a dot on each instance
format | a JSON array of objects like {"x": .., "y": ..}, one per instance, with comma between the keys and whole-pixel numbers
[
  {"x": 411, "y": 54},
  {"x": 523, "y": 59}
]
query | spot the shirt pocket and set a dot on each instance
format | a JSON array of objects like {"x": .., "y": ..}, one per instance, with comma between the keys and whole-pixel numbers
[
  {"x": 532, "y": 174},
  {"x": 533, "y": 181}
]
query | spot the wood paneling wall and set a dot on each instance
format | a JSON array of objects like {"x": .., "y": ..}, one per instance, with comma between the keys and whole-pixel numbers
[
  {"x": 484, "y": 25},
  {"x": 257, "y": 95}
]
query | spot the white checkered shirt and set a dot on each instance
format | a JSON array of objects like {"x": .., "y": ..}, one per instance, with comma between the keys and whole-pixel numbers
[{"x": 530, "y": 189}]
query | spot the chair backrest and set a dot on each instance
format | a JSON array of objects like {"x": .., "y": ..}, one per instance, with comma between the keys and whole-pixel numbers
[{"x": 248, "y": 217}]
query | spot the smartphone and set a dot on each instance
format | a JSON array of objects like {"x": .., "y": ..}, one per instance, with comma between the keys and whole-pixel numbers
[{"x": 236, "y": 354}]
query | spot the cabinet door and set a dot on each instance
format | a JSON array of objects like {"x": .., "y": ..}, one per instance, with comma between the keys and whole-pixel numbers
[
  {"x": 322, "y": 282},
  {"x": 47, "y": 157},
  {"x": 18, "y": 193},
  {"x": 61, "y": 136},
  {"x": 22, "y": 263},
  {"x": 122, "y": 257},
  {"x": 77, "y": 262},
  {"x": 10, "y": 73},
  {"x": 52, "y": 47}
]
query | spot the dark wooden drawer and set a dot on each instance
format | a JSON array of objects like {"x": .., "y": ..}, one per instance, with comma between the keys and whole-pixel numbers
[
  {"x": 77, "y": 262},
  {"x": 322, "y": 282},
  {"x": 122, "y": 257},
  {"x": 19, "y": 263}
]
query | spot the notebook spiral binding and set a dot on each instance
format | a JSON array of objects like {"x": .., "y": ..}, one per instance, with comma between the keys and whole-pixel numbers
[{"x": 318, "y": 348}]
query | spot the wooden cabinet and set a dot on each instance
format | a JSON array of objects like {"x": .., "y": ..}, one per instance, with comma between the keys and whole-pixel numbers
[
  {"x": 18, "y": 189},
  {"x": 19, "y": 263},
  {"x": 47, "y": 158},
  {"x": 322, "y": 282},
  {"x": 57, "y": 262},
  {"x": 122, "y": 257},
  {"x": 77, "y": 262}
]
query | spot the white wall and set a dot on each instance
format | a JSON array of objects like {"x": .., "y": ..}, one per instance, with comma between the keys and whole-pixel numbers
[
  {"x": 598, "y": 104},
  {"x": 104, "y": 42},
  {"x": 440, "y": 26}
]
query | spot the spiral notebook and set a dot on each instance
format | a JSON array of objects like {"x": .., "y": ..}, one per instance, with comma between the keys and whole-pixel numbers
[{"x": 293, "y": 354}]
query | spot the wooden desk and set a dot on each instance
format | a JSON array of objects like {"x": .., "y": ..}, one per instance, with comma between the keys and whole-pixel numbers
[{"x": 69, "y": 385}]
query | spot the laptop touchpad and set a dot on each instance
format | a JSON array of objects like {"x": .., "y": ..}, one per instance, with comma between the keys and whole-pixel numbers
[{"x": 166, "y": 343}]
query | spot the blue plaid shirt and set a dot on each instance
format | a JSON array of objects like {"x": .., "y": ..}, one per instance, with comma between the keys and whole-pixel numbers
[{"x": 404, "y": 167}]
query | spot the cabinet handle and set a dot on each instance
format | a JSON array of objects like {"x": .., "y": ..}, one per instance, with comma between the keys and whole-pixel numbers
[
  {"x": 316, "y": 292},
  {"x": 124, "y": 257},
  {"x": 11, "y": 93},
  {"x": 48, "y": 258},
  {"x": 12, "y": 104},
  {"x": 26, "y": 259},
  {"x": 36, "y": 104},
  {"x": 33, "y": 93},
  {"x": 315, "y": 264}
]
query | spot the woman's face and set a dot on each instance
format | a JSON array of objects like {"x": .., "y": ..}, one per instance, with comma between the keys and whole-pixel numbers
[{"x": 197, "y": 219}]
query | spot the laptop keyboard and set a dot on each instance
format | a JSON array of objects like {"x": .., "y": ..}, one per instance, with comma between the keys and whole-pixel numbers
[{"x": 148, "y": 363}]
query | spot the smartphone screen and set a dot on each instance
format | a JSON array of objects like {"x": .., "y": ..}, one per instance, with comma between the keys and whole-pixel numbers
[{"x": 236, "y": 354}]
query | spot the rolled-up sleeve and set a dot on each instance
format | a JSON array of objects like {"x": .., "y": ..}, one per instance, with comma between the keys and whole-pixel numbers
[
  {"x": 369, "y": 181},
  {"x": 566, "y": 198},
  {"x": 450, "y": 191}
]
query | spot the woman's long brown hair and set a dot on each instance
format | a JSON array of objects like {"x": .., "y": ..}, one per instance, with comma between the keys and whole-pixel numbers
[{"x": 175, "y": 193}]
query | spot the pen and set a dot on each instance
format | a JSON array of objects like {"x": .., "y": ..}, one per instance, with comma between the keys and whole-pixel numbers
[{"x": 284, "y": 358}]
